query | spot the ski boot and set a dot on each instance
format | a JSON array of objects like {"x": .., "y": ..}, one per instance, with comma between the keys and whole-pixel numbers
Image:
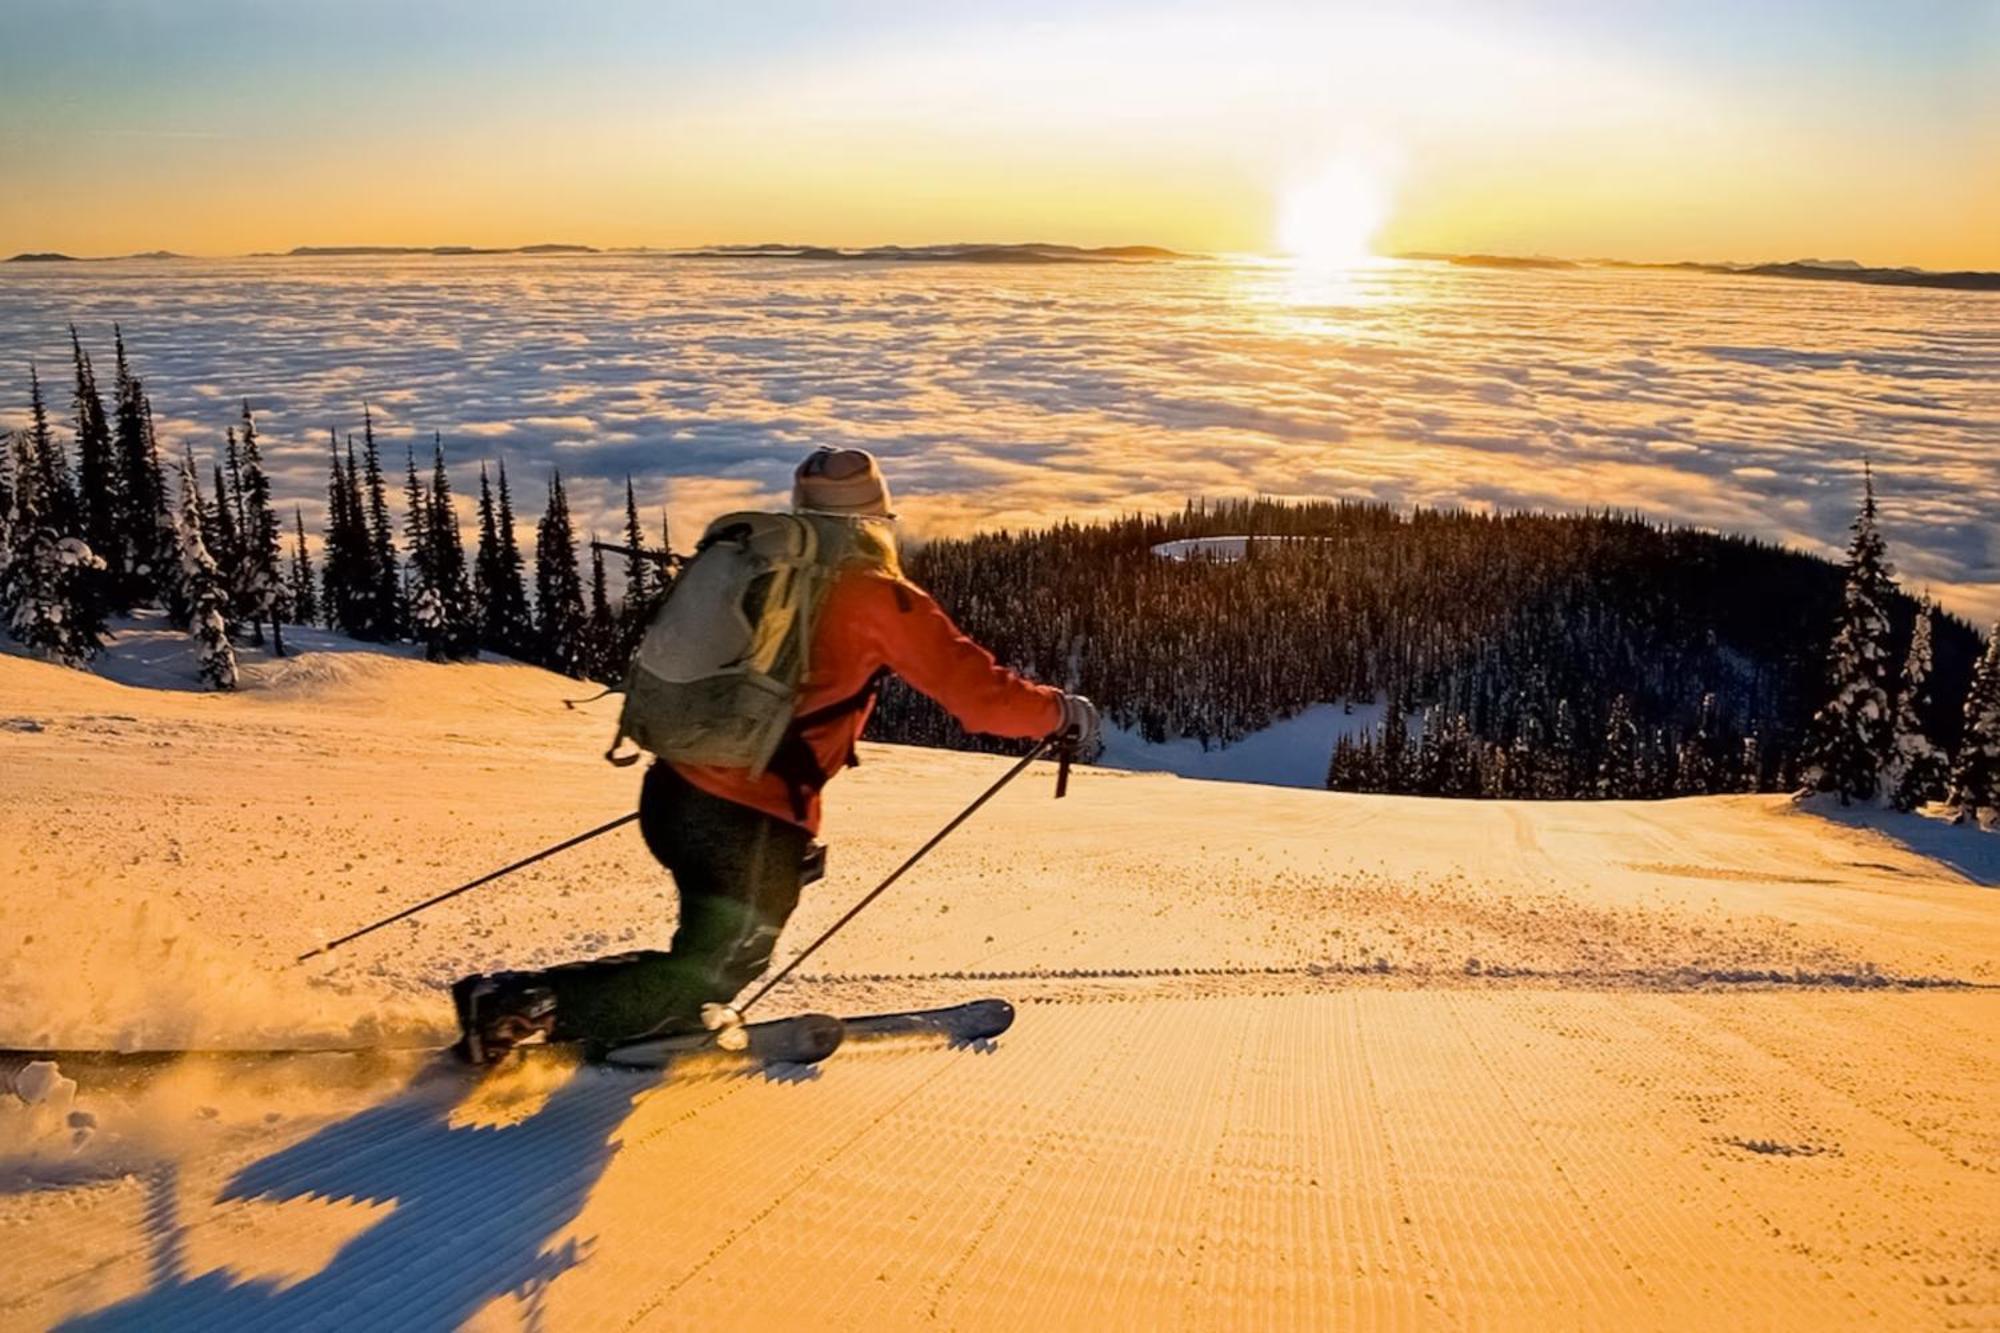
[{"x": 499, "y": 1011}]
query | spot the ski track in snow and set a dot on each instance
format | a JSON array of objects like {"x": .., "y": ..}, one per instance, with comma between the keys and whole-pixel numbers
[{"x": 1284, "y": 1058}]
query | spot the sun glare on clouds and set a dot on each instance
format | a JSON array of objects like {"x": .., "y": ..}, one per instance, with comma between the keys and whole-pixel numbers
[{"x": 1329, "y": 218}]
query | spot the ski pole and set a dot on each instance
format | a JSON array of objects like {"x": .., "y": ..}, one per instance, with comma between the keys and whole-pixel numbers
[
  {"x": 546, "y": 852},
  {"x": 1030, "y": 757},
  {"x": 666, "y": 559}
]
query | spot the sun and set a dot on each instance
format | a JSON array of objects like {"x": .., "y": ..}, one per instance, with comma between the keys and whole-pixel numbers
[{"x": 1327, "y": 219}]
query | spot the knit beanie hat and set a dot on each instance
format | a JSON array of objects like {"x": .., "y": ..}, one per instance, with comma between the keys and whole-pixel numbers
[{"x": 841, "y": 481}]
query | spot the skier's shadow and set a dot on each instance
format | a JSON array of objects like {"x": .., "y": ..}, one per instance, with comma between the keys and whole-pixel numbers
[{"x": 475, "y": 1208}]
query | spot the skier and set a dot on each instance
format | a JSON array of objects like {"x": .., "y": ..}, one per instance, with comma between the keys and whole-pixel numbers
[{"x": 739, "y": 844}]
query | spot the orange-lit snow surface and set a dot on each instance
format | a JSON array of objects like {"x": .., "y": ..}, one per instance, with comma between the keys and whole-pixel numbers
[{"x": 1283, "y": 1059}]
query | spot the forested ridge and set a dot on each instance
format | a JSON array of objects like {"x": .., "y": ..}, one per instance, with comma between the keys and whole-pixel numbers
[{"x": 1508, "y": 640}]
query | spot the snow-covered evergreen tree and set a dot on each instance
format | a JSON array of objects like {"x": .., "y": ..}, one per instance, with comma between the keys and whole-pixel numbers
[
  {"x": 175, "y": 595},
  {"x": 208, "y": 622},
  {"x": 166, "y": 547},
  {"x": 559, "y": 611},
  {"x": 1395, "y": 737},
  {"x": 261, "y": 593},
  {"x": 1749, "y": 765},
  {"x": 1917, "y": 770},
  {"x": 440, "y": 600},
  {"x": 1463, "y": 756},
  {"x": 234, "y": 457},
  {"x": 639, "y": 598},
  {"x": 1341, "y": 769},
  {"x": 1427, "y": 758},
  {"x": 45, "y": 467},
  {"x": 1618, "y": 771},
  {"x": 510, "y": 619},
  {"x": 1524, "y": 754},
  {"x": 1849, "y": 739},
  {"x": 52, "y": 580},
  {"x": 99, "y": 494},
  {"x": 1698, "y": 766},
  {"x": 223, "y": 535},
  {"x": 52, "y": 596},
  {"x": 448, "y": 562},
  {"x": 233, "y": 496},
  {"x": 1556, "y": 777},
  {"x": 486, "y": 562},
  {"x": 386, "y": 612},
  {"x": 428, "y": 622},
  {"x": 601, "y": 634},
  {"x": 336, "y": 574},
  {"x": 347, "y": 579},
  {"x": 1975, "y": 776},
  {"x": 146, "y": 521},
  {"x": 416, "y": 521},
  {"x": 302, "y": 587},
  {"x": 638, "y": 569}
]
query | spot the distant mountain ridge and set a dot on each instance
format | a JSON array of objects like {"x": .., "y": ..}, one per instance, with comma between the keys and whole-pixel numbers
[
  {"x": 1821, "y": 270},
  {"x": 325, "y": 251},
  {"x": 1032, "y": 252},
  {"x": 1967, "y": 280},
  {"x": 1048, "y": 252},
  {"x": 57, "y": 257},
  {"x": 960, "y": 252}
]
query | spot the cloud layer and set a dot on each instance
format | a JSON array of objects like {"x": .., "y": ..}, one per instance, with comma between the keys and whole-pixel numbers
[{"x": 1020, "y": 396}]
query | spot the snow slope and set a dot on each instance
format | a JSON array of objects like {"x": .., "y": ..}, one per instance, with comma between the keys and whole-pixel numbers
[
  {"x": 1292, "y": 752},
  {"x": 1285, "y": 1058}
]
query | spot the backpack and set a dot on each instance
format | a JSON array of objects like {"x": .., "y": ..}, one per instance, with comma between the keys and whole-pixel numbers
[{"x": 716, "y": 676}]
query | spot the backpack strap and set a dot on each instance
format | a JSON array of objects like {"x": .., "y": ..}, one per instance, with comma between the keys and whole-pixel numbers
[{"x": 794, "y": 761}]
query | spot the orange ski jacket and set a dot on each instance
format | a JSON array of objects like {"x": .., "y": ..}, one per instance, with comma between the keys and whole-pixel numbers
[{"x": 872, "y": 620}]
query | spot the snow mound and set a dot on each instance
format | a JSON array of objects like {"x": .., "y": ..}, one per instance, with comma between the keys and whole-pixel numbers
[{"x": 328, "y": 672}]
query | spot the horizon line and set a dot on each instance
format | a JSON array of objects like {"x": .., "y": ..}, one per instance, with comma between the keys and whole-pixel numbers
[{"x": 1052, "y": 251}]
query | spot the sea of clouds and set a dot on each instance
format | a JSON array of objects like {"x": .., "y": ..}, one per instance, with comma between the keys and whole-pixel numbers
[{"x": 1018, "y": 395}]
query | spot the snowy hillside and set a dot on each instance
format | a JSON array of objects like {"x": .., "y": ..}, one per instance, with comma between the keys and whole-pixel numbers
[
  {"x": 1285, "y": 1058},
  {"x": 147, "y": 653},
  {"x": 1289, "y": 753}
]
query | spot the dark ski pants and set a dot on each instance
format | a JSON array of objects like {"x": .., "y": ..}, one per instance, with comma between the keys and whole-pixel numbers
[{"x": 737, "y": 871}]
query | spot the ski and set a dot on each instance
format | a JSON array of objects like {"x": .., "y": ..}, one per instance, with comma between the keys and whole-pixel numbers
[
  {"x": 801, "y": 1039},
  {"x": 973, "y": 1021},
  {"x": 806, "y": 1038},
  {"x": 810, "y": 1038}
]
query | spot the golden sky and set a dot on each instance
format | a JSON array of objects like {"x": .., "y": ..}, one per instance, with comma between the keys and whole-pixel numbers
[{"x": 1747, "y": 132}]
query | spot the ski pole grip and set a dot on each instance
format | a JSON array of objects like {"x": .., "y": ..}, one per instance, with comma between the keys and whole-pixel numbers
[{"x": 1065, "y": 754}]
